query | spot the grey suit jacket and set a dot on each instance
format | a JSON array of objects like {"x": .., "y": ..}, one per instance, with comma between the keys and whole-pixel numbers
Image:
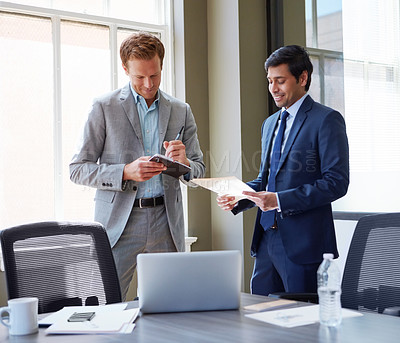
[{"x": 112, "y": 138}]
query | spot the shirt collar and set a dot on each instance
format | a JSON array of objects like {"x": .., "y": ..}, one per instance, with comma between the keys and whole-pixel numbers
[
  {"x": 295, "y": 107},
  {"x": 137, "y": 96}
]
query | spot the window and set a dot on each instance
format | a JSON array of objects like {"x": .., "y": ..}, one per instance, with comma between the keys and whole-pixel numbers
[
  {"x": 53, "y": 63},
  {"x": 360, "y": 77}
]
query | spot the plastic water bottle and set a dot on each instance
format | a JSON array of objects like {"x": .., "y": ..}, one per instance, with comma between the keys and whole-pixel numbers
[{"x": 329, "y": 292}]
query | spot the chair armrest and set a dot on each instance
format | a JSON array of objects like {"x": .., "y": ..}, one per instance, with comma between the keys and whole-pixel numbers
[
  {"x": 304, "y": 297},
  {"x": 392, "y": 311}
]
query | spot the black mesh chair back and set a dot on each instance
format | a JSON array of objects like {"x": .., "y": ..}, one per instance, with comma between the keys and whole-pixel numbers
[
  {"x": 371, "y": 278},
  {"x": 61, "y": 263}
]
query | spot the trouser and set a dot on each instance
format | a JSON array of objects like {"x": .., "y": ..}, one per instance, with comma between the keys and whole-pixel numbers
[
  {"x": 275, "y": 272},
  {"x": 147, "y": 231}
]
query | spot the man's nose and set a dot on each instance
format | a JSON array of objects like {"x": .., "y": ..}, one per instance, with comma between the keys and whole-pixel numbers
[
  {"x": 148, "y": 82},
  {"x": 273, "y": 87}
]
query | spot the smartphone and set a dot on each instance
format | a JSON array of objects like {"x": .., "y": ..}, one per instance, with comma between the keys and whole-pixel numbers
[{"x": 81, "y": 316}]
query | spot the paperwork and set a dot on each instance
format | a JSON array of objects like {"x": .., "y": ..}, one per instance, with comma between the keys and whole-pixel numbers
[
  {"x": 268, "y": 305},
  {"x": 229, "y": 185},
  {"x": 64, "y": 313},
  {"x": 108, "y": 319},
  {"x": 297, "y": 316}
]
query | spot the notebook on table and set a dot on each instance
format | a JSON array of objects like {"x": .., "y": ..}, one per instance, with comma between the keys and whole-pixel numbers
[{"x": 194, "y": 281}]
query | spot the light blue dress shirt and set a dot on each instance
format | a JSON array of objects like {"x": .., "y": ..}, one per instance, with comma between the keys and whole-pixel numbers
[
  {"x": 292, "y": 110},
  {"x": 151, "y": 142}
]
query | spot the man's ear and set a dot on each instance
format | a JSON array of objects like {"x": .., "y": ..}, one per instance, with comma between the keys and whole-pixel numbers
[
  {"x": 125, "y": 68},
  {"x": 303, "y": 78}
]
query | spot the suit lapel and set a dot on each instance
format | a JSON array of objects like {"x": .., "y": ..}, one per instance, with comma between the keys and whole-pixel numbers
[
  {"x": 164, "y": 112},
  {"x": 128, "y": 104},
  {"x": 269, "y": 134}
]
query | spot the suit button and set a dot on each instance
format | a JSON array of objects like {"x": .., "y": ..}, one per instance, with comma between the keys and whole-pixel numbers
[
  {"x": 134, "y": 188},
  {"x": 103, "y": 184},
  {"x": 110, "y": 184}
]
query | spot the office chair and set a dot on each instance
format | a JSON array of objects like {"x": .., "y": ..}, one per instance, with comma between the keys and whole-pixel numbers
[
  {"x": 371, "y": 277},
  {"x": 61, "y": 263}
]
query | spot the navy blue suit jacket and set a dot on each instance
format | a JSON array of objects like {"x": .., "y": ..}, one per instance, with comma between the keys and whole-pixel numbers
[{"x": 312, "y": 173}]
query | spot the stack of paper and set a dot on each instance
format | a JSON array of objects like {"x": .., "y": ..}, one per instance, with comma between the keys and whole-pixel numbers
[
  {"x": 296, "y": 316},
  {"x": 268, "y": 305},
  {"x": 108, "y": 319}
]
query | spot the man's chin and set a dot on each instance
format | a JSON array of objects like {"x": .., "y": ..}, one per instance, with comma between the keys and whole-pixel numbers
[{"x": 149, "y": 96}]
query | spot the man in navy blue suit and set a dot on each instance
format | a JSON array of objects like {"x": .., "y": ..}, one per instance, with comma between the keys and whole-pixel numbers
[{"x": 302, "y": 172}]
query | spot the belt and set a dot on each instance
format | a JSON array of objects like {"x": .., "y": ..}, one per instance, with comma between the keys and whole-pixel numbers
[{"x": 148, "y": 202}]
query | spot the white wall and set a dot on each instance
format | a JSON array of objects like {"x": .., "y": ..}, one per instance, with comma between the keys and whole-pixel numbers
[{"x": 344, "y": 233}]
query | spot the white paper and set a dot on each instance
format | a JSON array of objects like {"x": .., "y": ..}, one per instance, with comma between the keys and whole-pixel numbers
[
  {"x": 229, "y": 185},
  {"x": 102, "y": 323},
  {"x": 127, "y": 328},
  {"x": 297, "y": 316},
  {"x": 66, "y": 312},
  {"x": 268, "y": 305}
]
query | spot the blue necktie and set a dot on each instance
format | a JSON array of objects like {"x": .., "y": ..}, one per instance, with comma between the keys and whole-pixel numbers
[{"x": 268, "y": 218}]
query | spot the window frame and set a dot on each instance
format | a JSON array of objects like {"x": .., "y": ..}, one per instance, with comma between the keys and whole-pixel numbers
[
  {"x": 322, "y": 55},
  {"x": 342, "y": 212},
  {"x": 165, "y": 33}
]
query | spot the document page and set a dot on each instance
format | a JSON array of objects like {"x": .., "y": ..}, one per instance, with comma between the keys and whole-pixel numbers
[
  {"x": 64, "y": 313},
  {"x": 102, "y": 323},
  {"x": 229, "y": 185},
  {"x": 297, "y": 316}
]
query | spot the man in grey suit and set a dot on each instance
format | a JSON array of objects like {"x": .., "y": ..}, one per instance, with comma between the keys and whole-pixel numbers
[{"x": 140, "y": 208}]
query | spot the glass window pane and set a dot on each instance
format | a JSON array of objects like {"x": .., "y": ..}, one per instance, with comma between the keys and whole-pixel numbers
[
  {"x": 334, "y": 84},
  {"x": 309, "y": 24},
  {"x": 330, "y": 25},
  {"x": 86, "y": 74},
  {"x": 315, "y": 87},
  {"x": 149, "y": 11},
  {"x": 26, "y": 120},
  {"x": 37, "y": 148},
  {"x": 142, "y": 11},
  {"x": 122, "y": 77},
  {"x": 327, "y": 32},
  {"x": 81, "y": 6},
  {"x": 371, "y": 37},
  {"x": 369, "y": 75}
]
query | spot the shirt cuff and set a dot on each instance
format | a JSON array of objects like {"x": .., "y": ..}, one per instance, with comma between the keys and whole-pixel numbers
[{"x": 279, "y": 204}]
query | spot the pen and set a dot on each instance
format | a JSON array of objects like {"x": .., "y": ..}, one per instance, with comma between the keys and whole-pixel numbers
[{"x": 179, "y": 133}]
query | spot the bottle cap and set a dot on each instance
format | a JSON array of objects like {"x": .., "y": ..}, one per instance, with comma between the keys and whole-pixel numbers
[{"x": 328, "y": 256}]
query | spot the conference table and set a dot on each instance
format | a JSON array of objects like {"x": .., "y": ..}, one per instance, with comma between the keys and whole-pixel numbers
[{"x": 231, "y": 326}]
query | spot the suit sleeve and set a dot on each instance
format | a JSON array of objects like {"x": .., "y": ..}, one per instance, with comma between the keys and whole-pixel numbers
[
  {"x": 193, "y": 151},
  {"x": 256, "y": 184},
  {"x": 333, "y": 171},
  {"x": 84, "y": 167}
]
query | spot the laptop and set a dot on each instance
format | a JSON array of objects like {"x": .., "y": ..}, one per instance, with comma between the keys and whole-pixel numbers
[{"x": 189, "y": 281}]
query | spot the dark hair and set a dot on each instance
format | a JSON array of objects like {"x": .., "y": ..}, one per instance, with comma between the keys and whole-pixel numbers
[
  {"x": 141, "y": 45},
  {"x": 297, "y": 59}
]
